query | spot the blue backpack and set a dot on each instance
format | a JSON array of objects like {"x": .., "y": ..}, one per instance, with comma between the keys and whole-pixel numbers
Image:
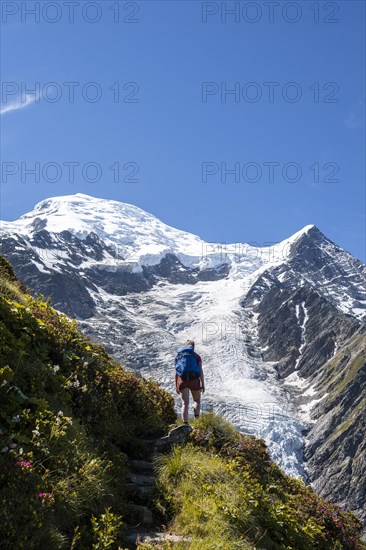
[{"x": 186, "y": 365}]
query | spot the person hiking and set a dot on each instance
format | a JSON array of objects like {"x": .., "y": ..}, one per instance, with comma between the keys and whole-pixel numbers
[{"x": 189, "y": 378}]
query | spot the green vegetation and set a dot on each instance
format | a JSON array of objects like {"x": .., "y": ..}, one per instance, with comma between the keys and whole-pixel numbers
[
  {"x": 352, "y": 417},
  {"x": 67, "y": 412},
  {"x": 353, "y": 367},
  {"x": 222, "y": 487},
  {"x": 341, "y": 370},
  {"x": 341, "y": 375}
]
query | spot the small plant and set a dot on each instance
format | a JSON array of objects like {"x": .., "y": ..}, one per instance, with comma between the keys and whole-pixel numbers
[
  {"x": 105, "y": 530},
  {"x": 213, "y": 430}
]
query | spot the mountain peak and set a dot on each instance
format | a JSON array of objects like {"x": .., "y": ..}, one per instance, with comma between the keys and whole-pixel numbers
[
  {"x": 82, "y": 200},
  {"x": 134, "y": 240},
  {"x": 311, "y": 230},
  {"x": 311, "y": 236},
  {"x": 125, "y": 227},
  {"x": 137, "y": 234}
]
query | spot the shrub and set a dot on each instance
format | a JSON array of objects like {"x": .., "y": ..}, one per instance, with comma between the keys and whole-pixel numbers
[
  {"x": 105, "y": 530},
  {"x": 212, "y": 430}
]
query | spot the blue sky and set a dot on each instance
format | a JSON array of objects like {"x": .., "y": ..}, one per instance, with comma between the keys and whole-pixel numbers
[{"x": 296, "y": 157}]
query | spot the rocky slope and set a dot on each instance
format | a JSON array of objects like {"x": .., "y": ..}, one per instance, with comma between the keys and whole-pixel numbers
[
  {"x": 336, "y": 443},
  {"x": 320, "y": 356},
  {"x": 267, "y": 321}
]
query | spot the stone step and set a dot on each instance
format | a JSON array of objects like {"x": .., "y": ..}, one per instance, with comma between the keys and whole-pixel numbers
[
  {"x": 141, "y": 492},
  {"x": 141, "y": 479},
  {"x": 135, "y": 535},
  {"x": 176, "y": 436},
  {"x": 149, "y": 445},
  {"x": 142, "y": 465},
  {"x": 138, "y": 514},
  {"x": 150, "y": 536}
]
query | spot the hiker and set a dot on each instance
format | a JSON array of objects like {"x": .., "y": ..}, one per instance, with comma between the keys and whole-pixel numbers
[{"x": 189, "y": 377}]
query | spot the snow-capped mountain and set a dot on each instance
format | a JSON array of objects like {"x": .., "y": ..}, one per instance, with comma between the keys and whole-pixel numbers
[
  {"x": 265, "y": 320},
  {"x": 130, "y": 238}
]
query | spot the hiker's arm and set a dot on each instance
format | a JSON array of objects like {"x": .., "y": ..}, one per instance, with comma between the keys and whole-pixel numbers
[
  {"x": 176, "y": 383},
  {"x": 176, "y": 376},
  {"x": 202, "y": 381},
  {"x": 201, "y": 374}
]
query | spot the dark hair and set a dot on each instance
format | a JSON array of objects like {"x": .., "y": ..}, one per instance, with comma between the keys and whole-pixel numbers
[{"x": 190, "y": 343}]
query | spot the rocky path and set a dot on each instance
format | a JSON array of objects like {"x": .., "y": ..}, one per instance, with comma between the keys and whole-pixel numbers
[{"x": 142, "y": 525}]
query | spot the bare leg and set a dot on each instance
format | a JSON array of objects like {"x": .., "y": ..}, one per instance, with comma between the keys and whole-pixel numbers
[
  {"x": 185, "y": 403},
  {"x": 197, "y": 402}
]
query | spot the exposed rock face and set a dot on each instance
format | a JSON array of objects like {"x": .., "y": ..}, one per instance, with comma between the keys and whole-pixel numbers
[
  {"x": 324, "y": 352},
  {"x": 321, "y": 261},
  {"x": 67, "y": 289},
  {"x": 71, "y": 284},
  {"x": 297, "y": 327},
  {"x": 336, "y": 443},
  {"x": 172, "y": 270}
]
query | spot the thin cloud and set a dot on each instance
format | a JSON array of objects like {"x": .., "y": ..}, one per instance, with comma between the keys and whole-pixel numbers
[
  {"x": 356, "y": 116},
  {"x": 353, "y": 121},
  {"x": 18, "y": 104}
]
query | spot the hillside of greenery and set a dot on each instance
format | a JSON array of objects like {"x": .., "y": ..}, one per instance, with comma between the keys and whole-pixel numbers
[
  {"x": 222, "y": 491},
  {"x": 70, "y": 414}
]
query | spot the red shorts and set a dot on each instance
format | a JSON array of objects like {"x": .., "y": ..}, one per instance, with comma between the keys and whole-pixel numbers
[{"x": 193, "y": 385}]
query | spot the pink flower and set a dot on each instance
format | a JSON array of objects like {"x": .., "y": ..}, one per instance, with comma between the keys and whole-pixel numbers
[
  {"x": 23, "y": 463},
  {"x": 45, "y": 495}
]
